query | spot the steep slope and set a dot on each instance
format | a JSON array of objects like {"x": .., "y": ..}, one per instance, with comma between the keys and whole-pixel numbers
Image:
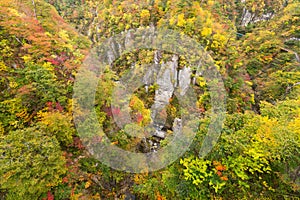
[
  {"x": 257, "y": 154},
  {"x": 40, "y": 54}
]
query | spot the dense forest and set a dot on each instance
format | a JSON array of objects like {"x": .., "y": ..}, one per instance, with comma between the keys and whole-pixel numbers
[{"x": 46, "y": 137}]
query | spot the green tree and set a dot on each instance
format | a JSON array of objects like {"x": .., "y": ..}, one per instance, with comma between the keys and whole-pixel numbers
[{"x": 31, "y": 163}]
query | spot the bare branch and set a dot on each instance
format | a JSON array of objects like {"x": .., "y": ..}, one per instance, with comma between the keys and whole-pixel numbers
[
  {"x": 288, "y": 50},
  {"x": 34, "y": 9},
  {"x": 18, "y": 40},
  {"x": 289, "y": 88}
]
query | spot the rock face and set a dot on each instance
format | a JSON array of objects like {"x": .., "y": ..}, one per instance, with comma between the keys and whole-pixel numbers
[
  {"x": 249, "y": 17},
  {"x": 177, "y": 125},
  {"x": 168, "y": 78},
  {"x": 165, "y": 81},
  {"x": 184, "y": 79}
]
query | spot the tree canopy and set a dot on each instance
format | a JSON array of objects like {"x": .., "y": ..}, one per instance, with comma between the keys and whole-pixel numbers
[{"x": 255, "y": 46}]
